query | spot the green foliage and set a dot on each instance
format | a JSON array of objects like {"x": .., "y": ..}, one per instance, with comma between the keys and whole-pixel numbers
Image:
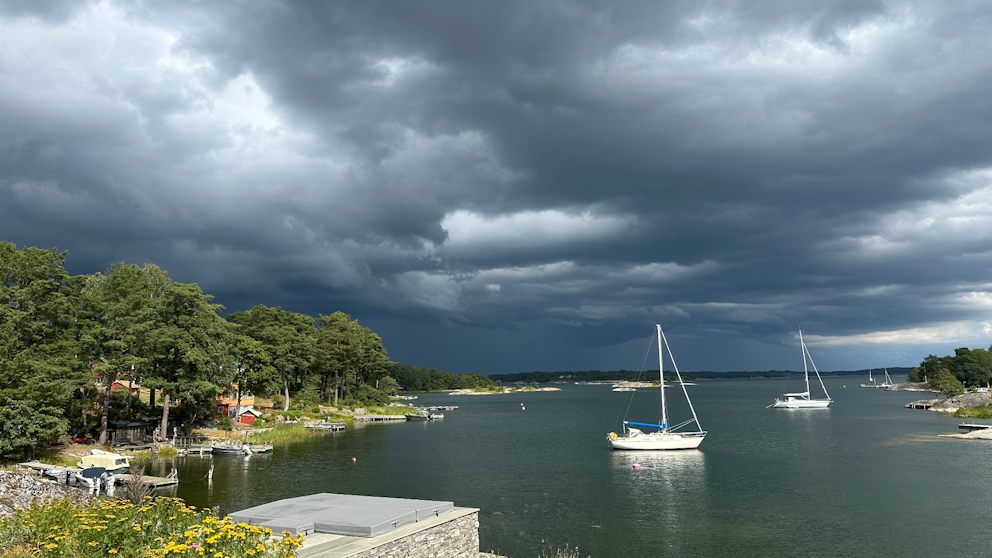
[
  {"x": 970, "y": 367},
  {"x": 984, "y": 412},
  {"x": 225, "y": 423},
  {"x": 38, "y": 343},
  {"x": 347, "y": 355},
  {"x": 288, "y": 339},
  {"x": 415, "y": 378},
  {"x": 133, "y": 323},
  {"x": 944, "y": 382},
  {"x": 281, "y": 433},
  {"x": 158, "y": 528},
  {"x": 389, "y": 385},
  {"x": 368, "y": 396},
  {"x": 307, "y": 399},
  {"x": 915, "y": 376},
  {"x": 168, "y": 451}
]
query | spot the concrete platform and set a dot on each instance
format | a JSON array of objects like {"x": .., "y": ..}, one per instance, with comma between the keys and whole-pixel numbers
[
  {"x": 410, "y": 539},
  {"x": 341, "y": 514}
]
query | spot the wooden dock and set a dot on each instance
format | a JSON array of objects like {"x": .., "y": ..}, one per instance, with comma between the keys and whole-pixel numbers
[
  {"x": 154, "y": 482},
  {"x": 379, "y": 418},
  {"x": 921, "y": 404},
  {"x": 970, "y": 426},
  {"x": 42, "y": 468},
  {"x": 442, "y": 408},
  {"x": 330, "y": 426}
]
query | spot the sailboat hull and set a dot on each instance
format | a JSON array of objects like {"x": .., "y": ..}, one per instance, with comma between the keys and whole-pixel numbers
[
  {"x": 658, "y": 441},
  {"x": 802, "y": 404}
]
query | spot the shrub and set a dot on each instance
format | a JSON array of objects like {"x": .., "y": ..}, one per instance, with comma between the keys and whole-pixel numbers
[
  {"x": 225, "y": 423},
  {"x": 278, "y": 401},
  {"x": 160, "y": 527}
]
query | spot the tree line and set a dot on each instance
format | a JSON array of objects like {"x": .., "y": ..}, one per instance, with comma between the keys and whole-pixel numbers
[
  {"x": 648, "y": 375},
  {"x": 65, "y": 340},
  {"x": 951, "y": 374}
]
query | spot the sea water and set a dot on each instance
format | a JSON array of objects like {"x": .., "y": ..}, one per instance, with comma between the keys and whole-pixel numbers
[{"x": 865, "y": 477}]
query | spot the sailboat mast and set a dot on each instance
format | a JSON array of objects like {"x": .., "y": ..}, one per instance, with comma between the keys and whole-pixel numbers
[
  {"x": 805, "y": 368},
  {"x": 661, "y": 377}
]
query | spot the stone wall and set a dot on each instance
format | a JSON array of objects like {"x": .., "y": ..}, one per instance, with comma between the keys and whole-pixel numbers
[{"x": 458, "y": 538}]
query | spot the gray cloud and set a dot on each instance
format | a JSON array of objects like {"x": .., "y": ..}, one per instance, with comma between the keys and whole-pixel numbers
[{"x": 553, "y": 175}]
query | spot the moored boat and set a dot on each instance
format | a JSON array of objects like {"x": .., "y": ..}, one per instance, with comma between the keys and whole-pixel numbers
[
  {"x": 666, "y": 437},
  {"x": 803, "y": 399},
  {"x": 112, "y": 462}
]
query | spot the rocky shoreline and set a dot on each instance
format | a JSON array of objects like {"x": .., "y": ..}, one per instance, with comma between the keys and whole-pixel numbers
[
  {"x": 18, "y": 490},
  {"x": 952, "y": 404}
]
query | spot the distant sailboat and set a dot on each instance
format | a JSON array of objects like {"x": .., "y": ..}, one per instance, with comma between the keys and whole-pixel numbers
[
  {"x": 803, "y": 400},
  {"x": 888, "y": 380},
  {"x": 872, "y": 380},
  {"x": 666, "y": 438}
]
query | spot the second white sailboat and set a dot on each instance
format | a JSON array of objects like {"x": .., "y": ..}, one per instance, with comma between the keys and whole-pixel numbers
[{"x": 803, "y": 400}]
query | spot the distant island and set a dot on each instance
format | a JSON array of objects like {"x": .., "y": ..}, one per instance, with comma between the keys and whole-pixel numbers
[{"x": 633, "y": 375}]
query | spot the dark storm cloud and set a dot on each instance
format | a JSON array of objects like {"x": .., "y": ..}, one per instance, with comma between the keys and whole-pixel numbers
[{"x": 555, "y": 173}]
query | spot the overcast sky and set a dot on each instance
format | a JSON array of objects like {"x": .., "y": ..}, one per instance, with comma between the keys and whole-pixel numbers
[{"x": 502, "y": 187}]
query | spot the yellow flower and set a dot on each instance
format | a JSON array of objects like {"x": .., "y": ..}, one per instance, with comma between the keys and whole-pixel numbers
[
  {"x": 91, "y": 543},
  {"x": 112, "y": 551}
]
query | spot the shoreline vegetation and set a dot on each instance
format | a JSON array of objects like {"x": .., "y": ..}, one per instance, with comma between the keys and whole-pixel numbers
[{"x": 79, "y": 352}]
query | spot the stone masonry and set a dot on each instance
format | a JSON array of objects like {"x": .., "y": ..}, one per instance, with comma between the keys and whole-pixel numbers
[{"x": 458, "y": 538}]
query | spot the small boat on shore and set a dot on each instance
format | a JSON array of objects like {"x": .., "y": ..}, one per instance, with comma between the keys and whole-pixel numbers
[{"x": 113, "y": 463}]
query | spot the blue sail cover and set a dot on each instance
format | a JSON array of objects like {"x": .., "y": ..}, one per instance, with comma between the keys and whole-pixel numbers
[{"x": 645, "y": 424}]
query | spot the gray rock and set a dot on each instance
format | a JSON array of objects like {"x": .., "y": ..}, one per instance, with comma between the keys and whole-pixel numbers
[{"x": 18, "y": 490}]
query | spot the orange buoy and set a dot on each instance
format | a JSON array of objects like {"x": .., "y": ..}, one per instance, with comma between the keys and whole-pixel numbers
[{"x": 354, "y": 459}]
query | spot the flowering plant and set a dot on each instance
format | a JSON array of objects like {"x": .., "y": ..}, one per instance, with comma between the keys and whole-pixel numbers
[{"x": 159, "y": 528}]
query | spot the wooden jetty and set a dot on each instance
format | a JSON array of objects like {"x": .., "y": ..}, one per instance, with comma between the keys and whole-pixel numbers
[
  {"x": 322, "y": 425},
  {"x": 154, "y": 482},
  {"x": 42, "y": 468},
  {"x": 921, "y": 404},
  {"x": 379, "y": 418},
  {"x": 970, "y": 426}
]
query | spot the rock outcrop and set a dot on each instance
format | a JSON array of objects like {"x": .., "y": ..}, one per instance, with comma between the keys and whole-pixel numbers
[{"x": 19, "y": 490}]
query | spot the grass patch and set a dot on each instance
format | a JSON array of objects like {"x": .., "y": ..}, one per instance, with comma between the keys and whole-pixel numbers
[
  {"x": 280, "y": 434},
  {"x": 167, "y": 452},
  {"x": 975, "y": 412},
  {"x": 59, "y": 460}
]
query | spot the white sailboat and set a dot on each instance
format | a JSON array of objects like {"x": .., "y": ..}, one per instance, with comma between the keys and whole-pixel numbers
[
  {"x": 803, "y": 400},
  {"x": 872, "y": 380},
  {"x": 888, "y": 380},
  {"x": 666, "y": 437}
]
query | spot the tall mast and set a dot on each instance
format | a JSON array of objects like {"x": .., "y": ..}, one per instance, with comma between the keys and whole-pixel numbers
[
  {"x": 661, "y": 376},
  {"x": 805, "y": 369}
]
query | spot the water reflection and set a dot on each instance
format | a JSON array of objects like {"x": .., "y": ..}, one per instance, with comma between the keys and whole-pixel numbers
[
  {"x": 665, "y": 495},
  {"x": 670, "y": 469}
]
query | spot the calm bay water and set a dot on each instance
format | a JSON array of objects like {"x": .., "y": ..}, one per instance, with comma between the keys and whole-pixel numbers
[{"x": 865, "y": 477}]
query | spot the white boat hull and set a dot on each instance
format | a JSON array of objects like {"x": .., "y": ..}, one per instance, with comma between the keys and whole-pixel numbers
[
  {"x": 658, "y": 441},
  {"x": 802, "y": 403}
]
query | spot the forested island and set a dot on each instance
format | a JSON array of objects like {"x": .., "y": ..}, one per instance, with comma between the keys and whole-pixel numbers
[
  {"x": 952, "y": 374},
  {"x": 67, "y": 341},
  {"x": 633, "y": 375}
]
